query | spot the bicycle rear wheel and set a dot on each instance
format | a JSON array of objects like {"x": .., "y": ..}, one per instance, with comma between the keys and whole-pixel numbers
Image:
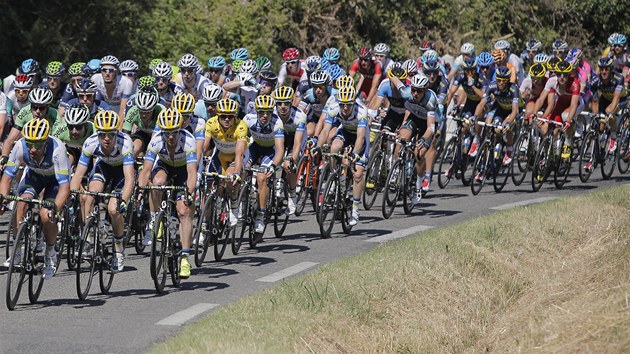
[
  {"x": 480, "y": 168},
  {"x": 393, "y": 187},
  {"x": 86, "y": 262},
  {"x": 158, "y": 261},
  {"x": 623, "y": 161},
  {"x": 327, "y": 212},
  {"x": 520, "y": 159},
  {"x": 17, "y": 270},
  {"x": 105, "y": 274},
  {"x": 448, "y": 163},
  {"x": 221, "y": 214},
  {"x": 35, "y": 278},
  {"x": 409, "y": 189},
  {"x": 586, "y": 161}
]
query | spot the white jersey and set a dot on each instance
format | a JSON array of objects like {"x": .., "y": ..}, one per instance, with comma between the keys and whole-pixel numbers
[
  {"x": 123, "y": 89},
  {"x": 16, "y": 106},
  {"x": 3, "y": 103},
  {"x": 197, "y": 88},
  {"x": 517, "y": 63},
  {"x": 185, "y": 151},
  {"x": 264, "y": 136},
  {"x": 122, "y": 154}
]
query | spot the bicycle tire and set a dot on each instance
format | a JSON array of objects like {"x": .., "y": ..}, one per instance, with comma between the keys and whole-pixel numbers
[
  {"x": 60, "y": 242},
  {"x": 609, "y": 162},
  {"x": 301, "y": 186},
  {"x": 243, "y": 211},
  {"x": 8, "y": 249},
  {"x": 501, "y": 172},
  {"x": 562, "y": 172},
  {"x": 480, "y": 164},
  {"x": 35, "y": 278},
  {"x": 158, "y": 261},
  {"x": 323, "y": 176},
  {"x": 520, "y": 165},
  {"x": 540, "y": 170},
  {"x": 16, "y": 274},
  {"x": 327, "y": 212},
  {"x": 623, "y": 162},
  {"x": 105, "y": 273},
  {"x": 345, "y": 206},
  {"x": 394, "y": 176},
  {"x": 409, "y": 190},
  {"x": 174, "y": 265},
  {"x": 221, "y": 217},
  {"x": 86, "y": 262},
  {"x": 587, "y": 154},
  {"x": 205, "y": 215},
  {"x": 374, "y": 165},
  {"x": 281, "y": 217},
  {"x": 449, "y": 159}
]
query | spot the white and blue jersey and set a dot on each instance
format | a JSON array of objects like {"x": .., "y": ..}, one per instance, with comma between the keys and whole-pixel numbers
[
  {"x": 264, "y": 135},
  {"x": 55, "y": 163},
  {"x": 121, "y": 155},
  {"x": 185, "y": 151},
  {"x": 395, "y": 96}
]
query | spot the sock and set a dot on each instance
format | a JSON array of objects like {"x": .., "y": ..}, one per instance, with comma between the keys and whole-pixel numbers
[
  {"x": 418, "y": 183},
  {"x": 185, "y": 252},
  {"x": 427, "y": 175},
  {"x": 118, "y": 244},
  {"x": 50, "y": 249}
]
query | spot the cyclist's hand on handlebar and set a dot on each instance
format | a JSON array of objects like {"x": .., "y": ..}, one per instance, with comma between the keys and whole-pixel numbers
[
  {"x": 235, "y": 178},
  {"x": 189, "y": 199},
  {"x": 122, "y": 207},
  {"x": 567, "y": 126},
  {"x": 271, "y": 169}
]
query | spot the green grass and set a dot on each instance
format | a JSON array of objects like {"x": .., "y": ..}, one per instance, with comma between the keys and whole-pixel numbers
[{"x": 551, "y": 277}]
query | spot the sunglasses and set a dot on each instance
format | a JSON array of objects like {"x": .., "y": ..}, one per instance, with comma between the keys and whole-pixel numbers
[
  {"x": 502, "y": 80},
  {"x": 283, "y": 103},
  {"x": 21, "y": 91},
  {"x": 51, "y": 78},
  {"x": 617, "y": 46},
  {"x": 380, "y": 55},
  {"x": 364, "y": 59},
  {"x": 321, "y": 87},
  {"x": 170, "y": 132},
  {"x": 129, "y": 74},
  {"x": 163, "y": 79},
  {"x": 484, "y": 67},
  {"x": 417, "y": 90},
  {"x": 72, "y": 127},
  {"x": 225, "y": 116},
  {"x": 186, "y": 115},
  {"x": 40, "y": 108},
  {"x": 145, "y": 112},
  {"x": 267, "y": 83},
  {"x": 215, "y": 70},
  {"x": 346, "y": 104},
  {"x": 264, "y": 111},
  {"x": 563, "y": 74},
  {"x": 210, "y": 104},
  {"x": 108, "y": 70},
  {"x": 558, "y": 51},
  {"x": 104, "y": 135},
  {"x": 604, "y": 68},
  {"x": 431, "y": 73},
  {"x": 188, "y": 70},
  {"x": 292, "y": 61},
  {"x": 85, "y": 96},
  {"x": 35, "y": 144}
]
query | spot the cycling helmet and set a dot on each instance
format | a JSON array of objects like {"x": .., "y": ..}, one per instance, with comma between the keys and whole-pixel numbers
[
  {"x": 147, "y": 99},
  {"x": 533, "y": 45},
  {"x": 469, "y": 64},
  {"x": 605, "y": 62},
  {"x": 170, "y": 119},
  {"x": 40, "y": 96},
  {"x": 239, "y": 54},
  {"x": 76, "y": 114},
  {"x": 427, "y": 45},
  {"x": 320, "y": 77},
  {"x": 551, "y": 64},
  {"x": 291, "y": 54},
  {"x": 618, "y": 39},
  {"x": 345, "y": 80},
  {"x": 573, "y": 56},
  {"x": 153, "y": 63},
  {"x": 504, "y": 73},
  {"x": 563, "y": 67},
  {"x": 537, "y": 71},
  {"x": 217, "y": 62},
  {"x": 325, "y": 64},
  {"x": 146, "y": 82},
  {"x": 93, "y": 66},
  {"x": 559, "y": 44},
  {"x": 55, "y": 68},
  {"x": 467, "y": 48},
  {"x": 429, "y": 55},
  {"x": 346, "y": 94},
  {"x": 381, "y": 48},
  {"x": 29, "y": 66},
  {"x": 268, "y": 76},
  {"x": 106, "y": 121},
  {"x": 263, "y": 63},
  {"x": 265, "y": 102},
  {"x": 183, "y": 102},
  {"x": 430, "y": 66},
  {"x": 283, "y": 94},
  {"x": 335, "y": 71},
  {"x": 498, "y": 55},
  {"x": 419, "y": 81},
  {"x": 23, "y": 81},
  {"x": 502, "y": 45},
  {"x": 365, "y": 53},
  {"x": 541, "y": 58},
  {"x": 236, "y": 65},
  {"x": 163, "y": 69},
  {"x": 411, "y": 66},
  {"x": 212, "y": 92},
  {"x": 128, "y": 65},
  {"x": 485, "y": 59},
  {"x": 188, "y": 61},
  {"x": 398, "y": 71},
  {"x": 612, "y": 37},
  {"x": 248, "y": 66},
  {"x": 109, "y": 60},
  {"x": 76, "y": 68},
  {"x": 331, "y": 54},
  {"x": 313, "y": 62},
  {"x": 227, "y": 106},
  {"x": 85, "y": 86},
  {"x": 199, "y": 70},
  {"x": 36, "y": 130}
]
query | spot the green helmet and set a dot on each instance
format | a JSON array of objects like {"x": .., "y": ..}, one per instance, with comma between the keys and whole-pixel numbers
[
  {"x": 236, "y": 65},
  {"x": 263, "y": 63},
  {"x": 153, "y": 63},
  {"x": 55, "y": 68},
  {"x": 75, "y": 68},
  {"x": 146, "y": 82}
]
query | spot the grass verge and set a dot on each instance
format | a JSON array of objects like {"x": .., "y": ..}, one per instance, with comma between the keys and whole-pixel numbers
[{"x": 550, "y": 277}]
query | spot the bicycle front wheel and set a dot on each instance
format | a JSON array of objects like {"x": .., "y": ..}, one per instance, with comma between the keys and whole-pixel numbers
[
  {"x": 17, "y": 269},
  {"x": 480, "y": 168},
  {"x": 281, "y": 217},
  {"x": 86, "y": 262},
  {"x": 35, "y": 278},
  {"x": 105, "y": 274},
  {"x": 609, "y": 160},
  {"x": 501, "y": 171},
  {"x": 519, "y": 165},
  {"x": 220, "y": 226},
  {"x": 244, "y": 226},
  {"x": 327, "y": 211},
  {"x": 540, "y": 171},
  {"x": 301, "y": 187},
  {"x": 448, "y": 163},
  {"x": 586, "y": 161},
  {"x": 201, "y": 231},
  {"x": 157, "y": 263},
  {"x": 393, "y": 187},
  {"x": 373, "y": 179}
]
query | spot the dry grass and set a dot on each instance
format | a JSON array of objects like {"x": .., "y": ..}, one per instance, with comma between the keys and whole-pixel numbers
[{"x": 551, "y": 278}]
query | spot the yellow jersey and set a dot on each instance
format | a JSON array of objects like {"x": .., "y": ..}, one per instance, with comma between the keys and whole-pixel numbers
[{"x": 225, "y": 140}]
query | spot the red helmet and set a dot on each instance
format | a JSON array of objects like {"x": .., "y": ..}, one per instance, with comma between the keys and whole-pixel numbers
[
  {"x": 426, "y": 45},
  {"x": 365, "y": 53},
  {"x": 291, "y": 54}
]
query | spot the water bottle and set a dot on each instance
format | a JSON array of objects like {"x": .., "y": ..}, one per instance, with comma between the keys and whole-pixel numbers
[
  {"x": 71, "y": 213},
  {"x": 106, "y": 229},
  {"x": 409, "y": 168},
  {"x": 466, "y": 144},
  {"x": 497, "y": 151},
  {"x": 279, "y": 187}
]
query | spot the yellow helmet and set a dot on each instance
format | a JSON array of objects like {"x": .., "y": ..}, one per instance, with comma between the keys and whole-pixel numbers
[
  {"x": 344, "y": 80},
  {"x": 36, "y": 130},
  {"x": 106, "y": 121},
  {"x": 537, "y": 71},
  {"x": 346, "y": 94},
  {"x": 169, "y": 119},
  {"x": 283, "y": 94},
  {"x": 183, "y": 102},
  {"x": 227, "y": 106},
  {"x": 265, "y": 102}
]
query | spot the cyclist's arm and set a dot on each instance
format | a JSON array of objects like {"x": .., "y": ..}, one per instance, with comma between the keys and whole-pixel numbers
[
  {"x": 510, "y": 119},
  {"x": 480, "y": 106},
  {"x": 321, "y": 123},
  {"x": 611, "y": 107},
  {"x": 61, "y": 165},
  {"x": 375, "y": 81},
  {"x": 279, "y": 144},
  {"x": 241, "y": 146},
  {"x": 430, "y": 126},
  {"x": 551, "y": 97},
  {"x": 79, "y": 172},
  {"x": 8, "y": 143},
  {"x": 358, "y": 144},
  {"x": 5, "y": 184}
]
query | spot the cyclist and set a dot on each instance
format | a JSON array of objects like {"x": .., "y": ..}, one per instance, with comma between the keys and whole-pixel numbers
[
  {"x": 141, "y": 118},
  {"x": 485, "y": 62},
  {"x": 54, "y": 72},
  {"x": 129, "y": 68},
  {"x": 5, "y": 124},
  {"x": 163, "y": 72},
  {"x": 532, "y": 88},
  {"x": 370, "y": 71},
  {"x": 31, "y": 68},
  {"x": 314, "y": 100},
  {"x": 467, "y": 50},
  {"x": 294, "y": 122},
  {"x": 352, "y": 120},
  {"x": 619, "y": 55},
  {"x": 512, "y": 59},
  {"x": 332, "y": 55},
  {"x": 228, "y": 135},
  {"x": 74, "y": 130},
  {"x": 87, "y": 95},
  {"x": 245, "y": 87},
  {"x": 115, "y": 89},
  {"x": 396, "y": 91},
  {"x": 266, "y": 149},
  {"x": 113, "y": 167},
  {"x": 188, "y": 80},
  {"x": 505, "y": 98},
  {"x": 532, "y": 48},
  {"x": 292, "y": 69},
  {"x": 184, "y": 104},
  {"x": 559, "y": 48},
  {"x": 172, "y": 155},
  {"x": 438, "y": 83},
  {"x": 47, "y": 172},
  {"x": 381, "y": 53},
  {"x": 216, "y": 70},
  {"x": 18, "y": 97},
  {"x": 211, "y": 94},
  {"x": 500, "y": 59},
  {"x": 77, "y": 73}
]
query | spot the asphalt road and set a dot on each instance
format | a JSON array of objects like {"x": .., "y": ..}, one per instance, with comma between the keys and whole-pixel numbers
[{"x": 133, "y": 316}]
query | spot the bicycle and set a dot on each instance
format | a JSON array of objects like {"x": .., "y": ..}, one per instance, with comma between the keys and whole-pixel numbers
[
  {"x": 213, "y": 221},
  {"x": 525, "y": 151},
  {"x": 337, "y": 195},
  {"x": 489, "y": 159},
  {"x": 166, "y": 247},
  {"x": 623, "y": 161},
  {"x": 549, "y": 159},
  {"x": 31, "y": 261},
  {"x": 401, "y": 180},
  {"x": 10, "y": 238},
  {"x": 307, "y": 181},
  {"x": 96, "y": 248},
  {"x": 594, "y": 150},
  {"x": 455, "y": 156},
  {"x": 379, "y": 162},
  {"x": 137, "y": 215}
]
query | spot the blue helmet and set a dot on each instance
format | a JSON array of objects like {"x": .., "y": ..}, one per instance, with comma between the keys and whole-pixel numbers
[
  {"x": 94, "y": 65},
  {"x": 335, "y": 71},
  {"x": 485, "y": 59},
  {"x": 29, "y": 66},
  {"x": 313, "y": 62},
  {"x": 619, "y": 39},
  {"x": 430, "y": 66},
  {"x": 216, "y": 62},
  {"x": 325, "y": 64},
  {"x": 239, "y": 54},
  {"x": 331, "y": 54}
]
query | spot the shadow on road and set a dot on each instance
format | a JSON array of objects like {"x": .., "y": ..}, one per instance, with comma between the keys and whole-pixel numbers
[
  {"x": 283, "y": 247},
  {"x": 250, "y": 260}
]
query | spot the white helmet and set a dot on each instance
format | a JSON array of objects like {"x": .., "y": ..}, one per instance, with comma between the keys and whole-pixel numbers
[
  {"x": 109, "y": 60},
  {"x": 163, "y": 69},
  {"x": 410, "y": 65},
  {"x": 419, "y": 81},
  {"x": 467, "y": 48},
  {"x": 128, "y": 65},
  {"x": 381, "y": 48},
  {"x": 40, "y": 96},
  {"x": 76, "y": 114},
  {"x": 249, "y": 66},
  {"x": 188, "y": 61},
  {"x": 502, "y": 45},
  {"x": 146, "y": 100},
  {"x": 212, "y": 92}
]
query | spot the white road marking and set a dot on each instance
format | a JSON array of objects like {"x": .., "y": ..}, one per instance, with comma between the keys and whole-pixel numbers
[
  {"x": 399, "y": 234},
  {"x": 179, "y": 318},
  {"x": 272, "y": 278},
  {"x": 523, "y": 203}
]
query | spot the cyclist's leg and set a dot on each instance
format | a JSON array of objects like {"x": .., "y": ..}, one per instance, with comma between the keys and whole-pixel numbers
[{"x": 97, "y": 181}]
